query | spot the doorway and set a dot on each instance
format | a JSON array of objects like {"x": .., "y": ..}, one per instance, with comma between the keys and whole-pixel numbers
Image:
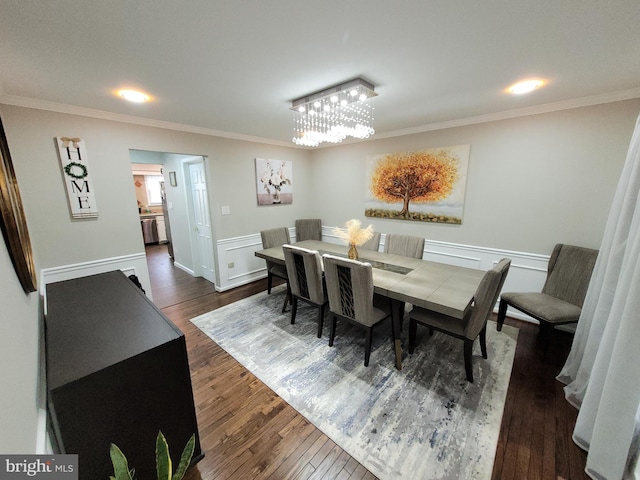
[{"x": 186, "y": 210}]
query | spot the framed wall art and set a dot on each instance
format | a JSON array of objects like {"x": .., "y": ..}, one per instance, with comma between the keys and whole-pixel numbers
[
  {"x": 427, "y": 185},
  {"x": 274, "y": 181},
  {"x": 12, "y": 220}
]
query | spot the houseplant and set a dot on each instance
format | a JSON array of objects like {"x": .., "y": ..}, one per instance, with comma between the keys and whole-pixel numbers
[{"x": 163, "y": 461}]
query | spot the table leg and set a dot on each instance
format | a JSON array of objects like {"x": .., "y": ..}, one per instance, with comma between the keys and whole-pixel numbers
[{"x": 397, "y": 311}]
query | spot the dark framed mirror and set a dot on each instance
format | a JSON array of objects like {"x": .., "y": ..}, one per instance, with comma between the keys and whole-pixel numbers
[{"x": 12, "y": 221}]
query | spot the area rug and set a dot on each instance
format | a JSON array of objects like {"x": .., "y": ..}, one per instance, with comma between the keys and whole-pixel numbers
[{"x": 423, "y": 422}]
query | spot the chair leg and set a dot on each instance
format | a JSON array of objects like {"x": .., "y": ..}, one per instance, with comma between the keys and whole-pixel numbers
[
  {"x": 483, "y": 341},
  {"x": 502, "y": 313},
  {"x": 332, "y": 332},
  {"x": 468, "y": 349},
  {"x": 269, "y": 283},
  {"x": 320, "y": 320},
  {"x": 287, "y": 298},
  {"x": 545, "y": 333},
  {"x": 367, "y": 347},
  {"x": 413, "y": 331},
  {"x": 294, "y": 309}
]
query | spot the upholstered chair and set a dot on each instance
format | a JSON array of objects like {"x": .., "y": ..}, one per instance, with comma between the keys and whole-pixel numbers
[
  {"x": 405, "y": 245},
  {"x": 560, "y": 302},
  {"x": 474, "y": 324},
  {"x": 372, "y": 244},
  {"x": 308, "y": 229},
  {"x": 276, "y": 237},
  {"x": 306, "y": 280},
  {"x": 351, "y": 297}
]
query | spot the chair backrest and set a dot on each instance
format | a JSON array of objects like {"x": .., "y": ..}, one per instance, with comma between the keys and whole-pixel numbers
[
  {"x": 373, "y": 243},
  {"x": 349, "y": 288},
  {"x": 569, "y": 273},
  {"x": 486, "y": 296},
  {"x": 405, "y": 245},
  {"x": 304, "y": 269},
  {"x": 275, "y": 237},
  {"x": 308, "y": 229}
]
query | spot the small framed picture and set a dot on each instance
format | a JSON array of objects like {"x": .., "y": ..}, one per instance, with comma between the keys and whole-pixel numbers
[{"x": 172, "y": 179}]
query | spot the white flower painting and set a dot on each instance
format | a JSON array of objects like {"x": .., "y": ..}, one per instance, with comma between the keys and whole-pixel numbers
[{"x": 274, "y": 181}]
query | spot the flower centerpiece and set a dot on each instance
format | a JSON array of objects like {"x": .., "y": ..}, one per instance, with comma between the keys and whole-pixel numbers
[{"x": 355, "y": 235}]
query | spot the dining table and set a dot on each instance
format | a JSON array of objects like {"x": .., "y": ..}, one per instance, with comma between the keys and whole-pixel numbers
[{"x": 439, "y": 287}]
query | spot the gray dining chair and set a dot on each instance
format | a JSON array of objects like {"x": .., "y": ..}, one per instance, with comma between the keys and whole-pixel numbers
[
  {"x": 276, "y": 237},
  {"x": 405, "y": 245},
  {"x": 351, "y": 297},
  {"x": 560, "y": 302},
  {"x": 372, "y": 244},
  {"x": 306, "y": 280},
  {"x": 308, "y": 229},
  {"x": 474, "y": 323}
]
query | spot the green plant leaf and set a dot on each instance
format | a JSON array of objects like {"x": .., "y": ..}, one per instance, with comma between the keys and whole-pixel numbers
[
  {"x": 163, "y": 459},
  {"x": 120, "y": 464},
  {"x": 185, "y": 459}
]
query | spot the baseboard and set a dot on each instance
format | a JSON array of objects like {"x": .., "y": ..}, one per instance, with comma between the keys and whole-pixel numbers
[{"x": 184, "y": 269}]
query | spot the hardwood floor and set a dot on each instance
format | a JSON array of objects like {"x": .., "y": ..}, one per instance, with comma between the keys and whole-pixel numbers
[{"x": 248, "y": 432}]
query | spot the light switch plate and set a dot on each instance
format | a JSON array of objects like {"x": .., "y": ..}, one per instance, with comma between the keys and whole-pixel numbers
[{"x": 226, "y": 210}]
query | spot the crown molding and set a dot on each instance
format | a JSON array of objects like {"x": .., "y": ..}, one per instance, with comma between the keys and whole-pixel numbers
[
  {"x": 492, "y": 117},
  {"x": 119, "y": 117},
  {"x": 519, "y": 112}
]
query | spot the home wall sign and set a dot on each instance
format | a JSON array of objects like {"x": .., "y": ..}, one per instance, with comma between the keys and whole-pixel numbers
[{"x": 77, "y": 177}]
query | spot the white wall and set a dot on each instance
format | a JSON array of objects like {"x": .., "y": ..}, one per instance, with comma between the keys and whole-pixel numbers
[
  {"x": 19, "y": 333},
  {"x": 532, "y": 181}
]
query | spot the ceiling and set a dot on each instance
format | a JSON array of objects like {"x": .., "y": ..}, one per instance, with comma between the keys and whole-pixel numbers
[{"x": 232, "y": 67}]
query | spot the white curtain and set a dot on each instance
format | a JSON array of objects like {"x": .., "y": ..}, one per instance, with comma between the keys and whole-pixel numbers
[{"x": 602, "y": 371}]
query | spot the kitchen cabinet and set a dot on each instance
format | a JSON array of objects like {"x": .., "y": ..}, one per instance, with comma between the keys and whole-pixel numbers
[{"x": 162, "y": 231}]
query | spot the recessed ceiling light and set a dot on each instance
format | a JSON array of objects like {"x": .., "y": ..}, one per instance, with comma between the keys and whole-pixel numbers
[
  {"x": 525, "y": 86},
  {"x": 134, "y": 96}
]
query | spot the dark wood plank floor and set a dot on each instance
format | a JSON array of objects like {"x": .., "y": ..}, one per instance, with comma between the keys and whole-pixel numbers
[{"x": 248, "y": 432}]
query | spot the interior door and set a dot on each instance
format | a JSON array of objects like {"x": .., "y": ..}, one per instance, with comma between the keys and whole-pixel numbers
[{"x": 202, "y": 222}]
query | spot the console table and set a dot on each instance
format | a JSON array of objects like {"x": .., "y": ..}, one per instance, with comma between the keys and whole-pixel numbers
[{"x": 117, "y": 372}]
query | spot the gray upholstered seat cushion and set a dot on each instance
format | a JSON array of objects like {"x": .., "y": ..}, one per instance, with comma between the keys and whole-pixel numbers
[
  {"x": 278, "y": 270},
  {"x": 543, "y": 306},
  {"x": 440, "y": 321}
]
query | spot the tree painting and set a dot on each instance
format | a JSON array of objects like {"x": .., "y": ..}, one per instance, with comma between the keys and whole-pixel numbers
[{"x": 410, "y": 179}]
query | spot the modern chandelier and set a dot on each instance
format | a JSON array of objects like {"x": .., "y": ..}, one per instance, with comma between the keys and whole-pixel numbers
[{"x": 333, "y": 114}]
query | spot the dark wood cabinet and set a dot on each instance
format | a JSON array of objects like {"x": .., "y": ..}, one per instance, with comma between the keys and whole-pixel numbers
[{"x": 117, "y": 372}]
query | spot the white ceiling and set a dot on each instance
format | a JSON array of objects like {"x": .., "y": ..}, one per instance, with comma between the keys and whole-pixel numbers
[{"x": 234, "y": 66}]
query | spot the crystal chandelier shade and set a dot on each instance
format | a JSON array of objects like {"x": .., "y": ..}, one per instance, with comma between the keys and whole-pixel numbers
[{"x": 331, "y": 115}]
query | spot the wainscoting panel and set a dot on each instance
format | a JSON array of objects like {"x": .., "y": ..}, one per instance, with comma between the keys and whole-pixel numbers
[
  {"x": 135, "y": 264},
  {"x": 238, "y": 265}
]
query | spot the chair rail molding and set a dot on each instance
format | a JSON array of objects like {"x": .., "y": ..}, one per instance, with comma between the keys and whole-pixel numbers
[{"x": 134, "y": 264}]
